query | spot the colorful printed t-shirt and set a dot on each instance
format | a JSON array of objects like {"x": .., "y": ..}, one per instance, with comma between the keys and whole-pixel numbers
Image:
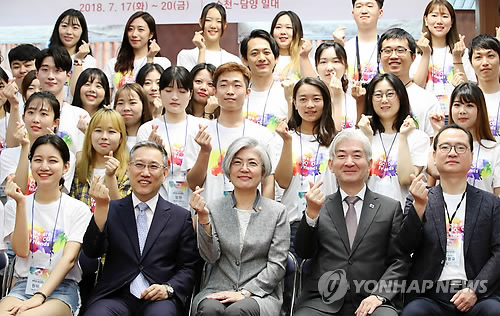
[
  {"x": 383, "y": 173},
  {"x": 308, "y": 166},
  {"x": 68, "y": 130},
  {"x": 216, "y": 184},
  {"x": 485, "y": 170},
  {"x": 367, "y": 57},
  {"x": 349, "y": 113},
  {"x": 72, "y": 221},
  {"x": 441, "y": 73},
  {"x": 178, "y": 134},
  {"x": 279, "y": 69},
  {"x": 266, "y": 107}
]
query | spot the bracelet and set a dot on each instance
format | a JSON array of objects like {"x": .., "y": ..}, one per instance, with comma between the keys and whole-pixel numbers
[
  {"x": 204, "y": 224},
  {"x": 458, "y": 63},
  {"x": 43, "y": 295},
  {"x": 78, "y": 62},
  {"x": 210, "y": 115}
]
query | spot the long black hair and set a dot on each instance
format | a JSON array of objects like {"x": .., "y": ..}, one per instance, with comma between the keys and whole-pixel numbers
[
  {"x": 92, "y": 74},
  {"x": 73, "y": 15}
]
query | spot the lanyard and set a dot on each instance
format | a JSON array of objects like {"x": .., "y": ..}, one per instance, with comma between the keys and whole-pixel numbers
[
  {"x": 477, "y": 159},
  {"x": 345, "y": 110},
  {"x": 390, "y": 148},
  {"x": 265, "y": 104},
  {"x": 358, "y": 59},
  {"x": 220, "y": 149},
  {"x": 496, "y": 121},
  {"x": 442, "y": 70},
  {"x": 170, "y": 144},
  {"x": 316, "y": 167},
  {"x": 51, "y": 242},
  {"x": 450, "y": 219}
]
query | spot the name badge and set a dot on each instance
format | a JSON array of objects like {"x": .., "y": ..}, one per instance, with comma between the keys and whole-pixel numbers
[
  {"x": 36, "y": 278},
  {"x": 453, "y": 252},
  {"x": 228, "y": 188},
  {"x": 178, "y": 193}
]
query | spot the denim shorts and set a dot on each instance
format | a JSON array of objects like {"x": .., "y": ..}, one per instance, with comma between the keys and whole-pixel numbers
[{"x": 67, "y": 292}]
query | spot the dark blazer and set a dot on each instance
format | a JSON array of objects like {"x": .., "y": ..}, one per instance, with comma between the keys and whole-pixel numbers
[
  {"x": 427, "y": 239},
  {"x": 376, "y": 254},
  {"x": 169, "y": 255}
]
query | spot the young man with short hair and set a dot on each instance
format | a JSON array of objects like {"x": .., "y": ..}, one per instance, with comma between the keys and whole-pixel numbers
[
  {"x": 484, "y": 55},
  {"x": 205, "y": 169},
  {"x": 21, "y": 61},
  {"x": 266, "y": 103}
]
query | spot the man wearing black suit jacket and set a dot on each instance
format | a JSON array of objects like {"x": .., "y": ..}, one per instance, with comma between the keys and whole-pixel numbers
[
  {"x": 150, "y": 244},
  {"x": 453, "y": 232},
  {"x": 358, "y": 239}
]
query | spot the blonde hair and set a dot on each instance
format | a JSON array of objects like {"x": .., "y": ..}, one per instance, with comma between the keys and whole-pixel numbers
[{"x": 85, "y": 165}]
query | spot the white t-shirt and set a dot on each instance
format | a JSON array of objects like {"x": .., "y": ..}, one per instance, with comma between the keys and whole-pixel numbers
[
  {"x": 178, "y": 134},
  {"x": 283, "y": 61},
  {"x": 368, "y": 60},
  {"x": 131, "y": 141},
  {"x": 485, "y": 170},
  {"x": 383, "y": 177},
  {"x": 493, "y": 107},
  {"x": 68, "y": 130},
  {"x": 4, "y": 123},
  {"x": 116, "y": 80},
  {"x": 422, "y": 103},
  {"x": 88, "y": 62},
  {"x": 349, "y": 113},
  {"x": 441, "y": 73},
  {"x": 216, "y": 183},
  {"x": 189, "y": 57},
  {"x": 72, "y": 221},
  {"x": 266, "y": 107},
  {"x": 454, "y": 267},
  {"x": 9, "y": 159},
  {"x": 309, "y": 161}
]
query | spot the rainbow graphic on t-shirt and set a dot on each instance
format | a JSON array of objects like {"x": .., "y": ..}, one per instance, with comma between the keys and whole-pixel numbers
[
  {"x": 368, "y": 71},
  {"x": 214, "y": 162},
  {"x": 480, "y": 170},
  {"x": 270, "y": 120},
  {"x": 383, "y": 167},
  {"x": 308, "y": 167},
  {"x": 41, "y": 240},
  {"x": 436, "y": 74},
  {"x": 66, "y": 137},
  {"x": 175, "y": 157},
  {"x": 494, "y": 124},
  {"x": 122, "y": 78},
  {"x": 347, "y": 122},
  {"x": 457, "y": 230}
]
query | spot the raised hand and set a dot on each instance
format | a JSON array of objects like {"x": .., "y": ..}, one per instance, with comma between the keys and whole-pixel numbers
[
  {"x": 365, "y": 126},
  {"x": 407, "y": 126},
  {"x": 157, "y": 107},
  {"x": 288, "y": 86},
  {"x": 282, "y": 129},
  {"x": 111, "y": 165},
  {"x": 13, "y": 191},
  {"x": 458, "y": 78},
  {"x": 10, "y": 93},
  {"x": 204, "y": 139},
  {"x": 99, "y": 192},
  {"x": 339, "y": 35},
  {"x": 212, "y": 104},
  {"x": 83, "y": 51},
  {"x": 197, "y": 202},
  {"x": 459, "y": 48},
  {"x": 315, "y": 199},
  {"x": 154, "y": 137},
  {"x": 419, "y": 192},
  {"x": 424, "y": 44},
  {"x": 305, "y": 48},
  {"x": 437, "y": 121},
  {"x": 21, "y": 135},
  {"x": 357, "y": 91},
  {"x": 154, "y": 49},
  {"x": 336, "y": 88},
  {"x": 83, "y": 123},
  {"x": 199, "y": 40}
]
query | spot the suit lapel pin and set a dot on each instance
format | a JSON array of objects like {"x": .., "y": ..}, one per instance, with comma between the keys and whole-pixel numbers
[{"x": 371, "y": 206}]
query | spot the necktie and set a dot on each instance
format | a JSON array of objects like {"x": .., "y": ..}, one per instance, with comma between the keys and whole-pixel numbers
[
  {"x": 139, "y": 284},
  {"x": 351, "y": 219}
]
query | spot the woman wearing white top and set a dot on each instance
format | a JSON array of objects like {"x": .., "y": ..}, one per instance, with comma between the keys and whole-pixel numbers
[
  {"x": 442, "y": 52},
  {"x": 399, "y": 149},
  {"x": 46, "y": 230},
  {"x": 213, "y": 23},
  {"x": 71, "y": 32},
  {"x": 138, "y": 48},
  {"x": 468, "y": 109}
]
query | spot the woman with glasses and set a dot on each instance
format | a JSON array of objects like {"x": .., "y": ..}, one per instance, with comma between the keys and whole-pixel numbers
[
  {"x": 399, "y": 149},
  {"x": 245, "y": 237},
  {"x": 468, "y": 109}
]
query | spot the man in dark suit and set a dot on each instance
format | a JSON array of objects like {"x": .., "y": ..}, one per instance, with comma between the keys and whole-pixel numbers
[
  {"x": 453, "y": 232},
  {"x": 150, "y": 244},
  {"x": 352, "y": 242}
]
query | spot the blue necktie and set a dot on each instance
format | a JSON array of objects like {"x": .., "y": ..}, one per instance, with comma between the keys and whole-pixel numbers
[{"x": 139, "y": 284}]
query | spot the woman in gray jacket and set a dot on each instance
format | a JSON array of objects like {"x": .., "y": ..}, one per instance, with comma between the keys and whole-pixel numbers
[{"x": 244, "y": 237}]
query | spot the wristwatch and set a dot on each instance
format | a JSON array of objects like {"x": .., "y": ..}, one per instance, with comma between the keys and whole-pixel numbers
[
  {"x": 170, "y": 290},
  {"x": 245, "y": 293},
  {"x": 381, "y": 298}
]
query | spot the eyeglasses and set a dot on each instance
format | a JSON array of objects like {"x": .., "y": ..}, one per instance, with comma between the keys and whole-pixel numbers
[
  {"x": 152, "y": 166},
  {"x": 400, "y": 51},
  {"x": 239, "y": 164},
  {"x": 459, "y": 148},
  {"x": 389, "y": 94}
]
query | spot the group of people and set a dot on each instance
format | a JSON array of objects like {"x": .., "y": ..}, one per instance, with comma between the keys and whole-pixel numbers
[{"x": 376, "y": 159}]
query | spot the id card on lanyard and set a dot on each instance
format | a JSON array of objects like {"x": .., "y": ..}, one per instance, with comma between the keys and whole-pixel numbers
[
  {"x": 38, "y": 275},
  {"x": 177, "y": 189}
]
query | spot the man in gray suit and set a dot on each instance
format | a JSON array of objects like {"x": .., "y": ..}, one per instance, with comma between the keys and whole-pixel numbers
[{"x": 352, "y": 238}]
